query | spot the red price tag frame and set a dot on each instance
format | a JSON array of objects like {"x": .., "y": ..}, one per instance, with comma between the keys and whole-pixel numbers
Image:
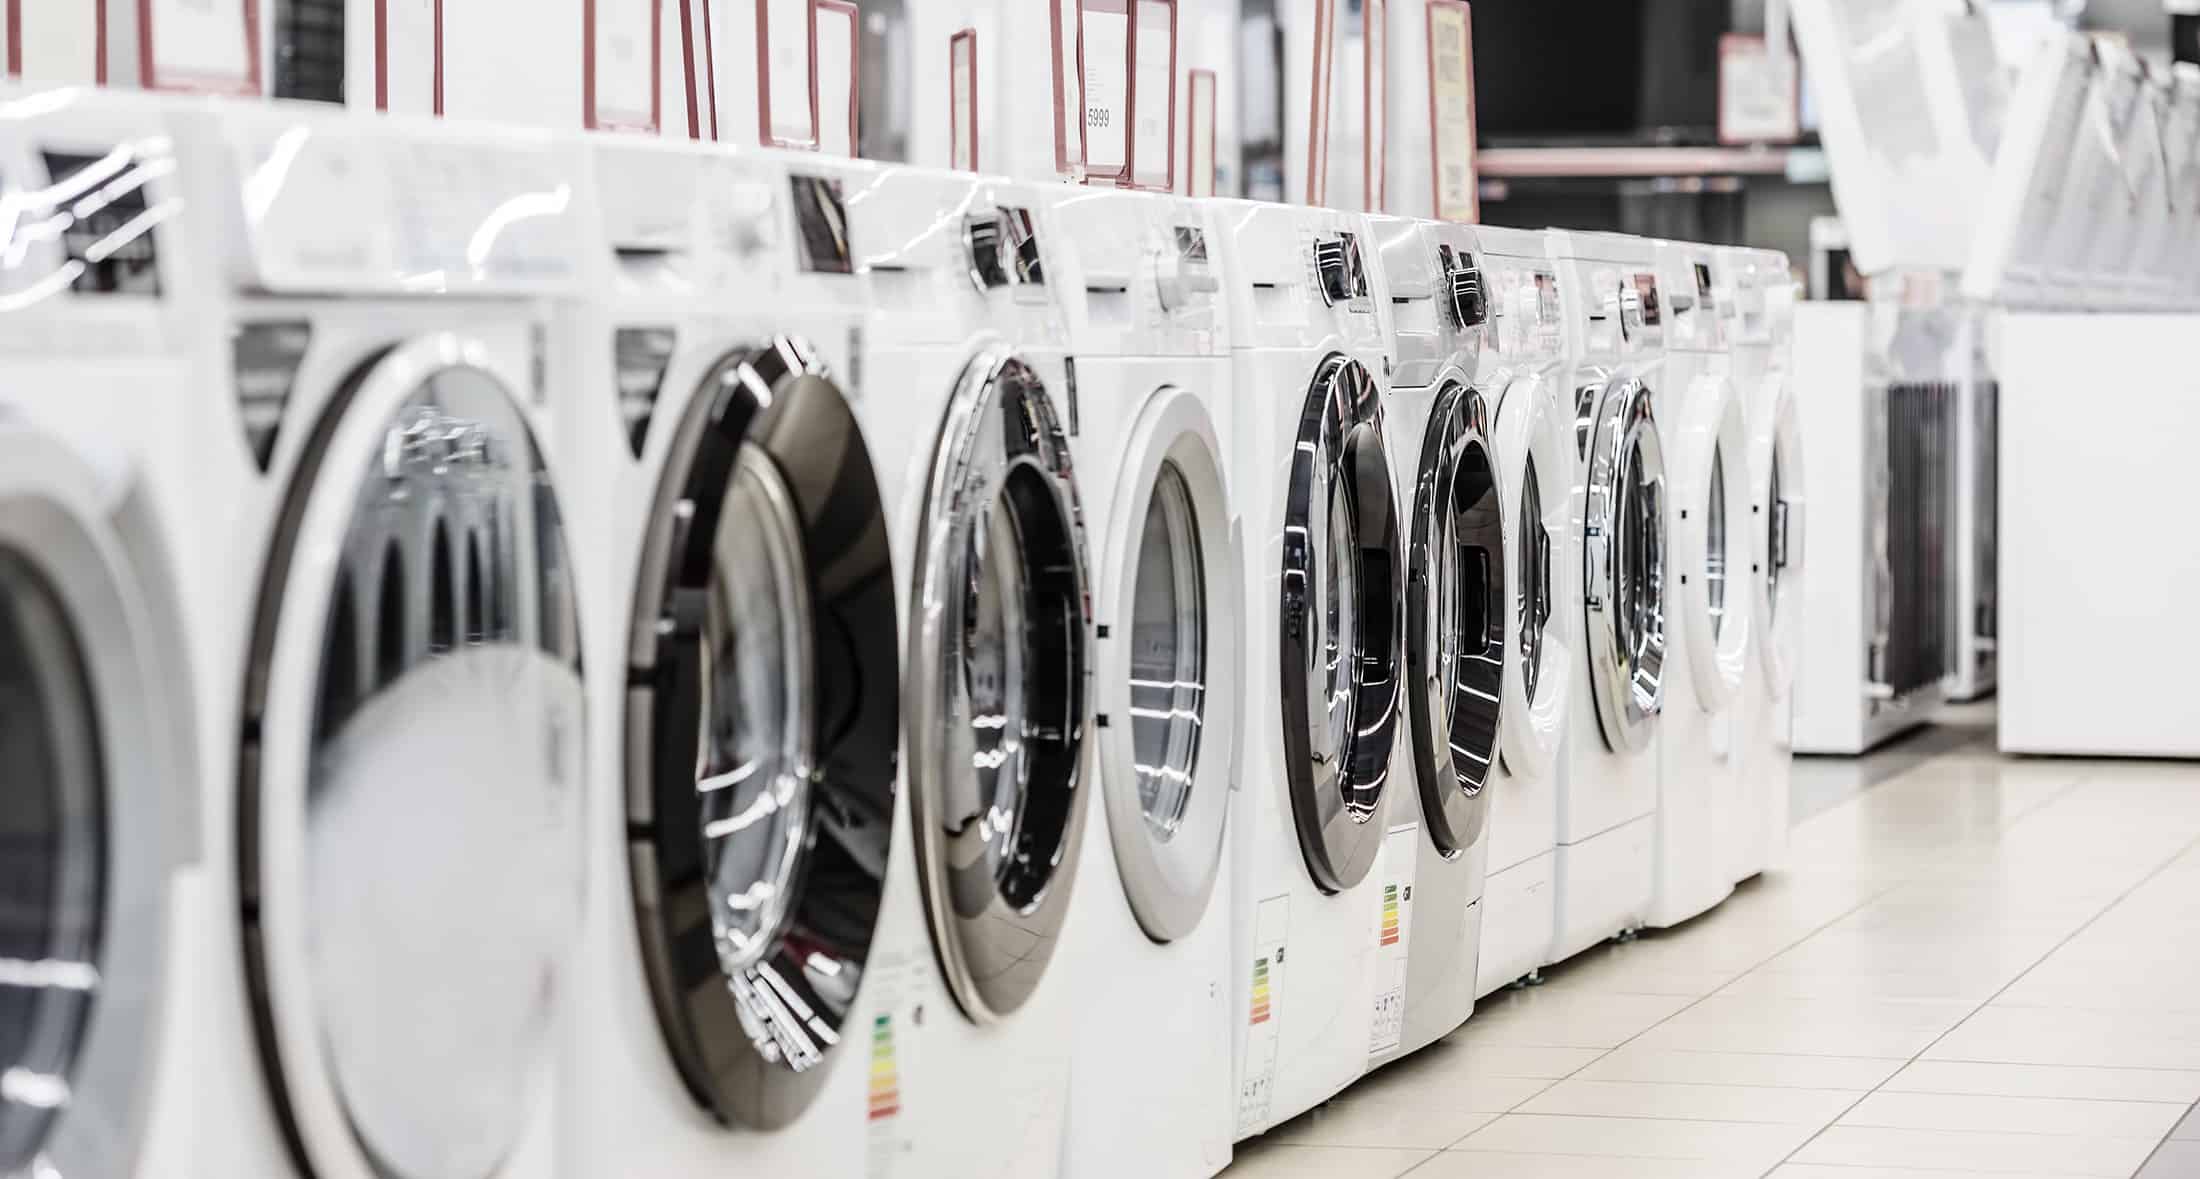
[
  {"x": 955, "y": 44},
  {"x": 382, "y": 56},
  {"x": 1435, "y": 139},
  {"x": 764, "y": 78},
  {"x": 1122, "y": 177},
  {"x": 697, "y": 114},
  {"x": 1317, "y": 123},
  {"x": 593, "y": 118},
  {"x": 13, "y": 15},
  {"x": 1065, "y": 165},
  {"x": 855, "y": 64},
  {"x": 151, "y": 78},
  {"x": 1193, "y": 185},
  {"x": 1130, "y": 105},
  {"x": 1374, "y": 172}
]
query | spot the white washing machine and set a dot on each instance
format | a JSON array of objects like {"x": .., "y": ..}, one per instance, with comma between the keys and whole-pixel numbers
[
  {"x": 1764, "y": 292},
  {"x": 743, "y": 671},
  {"x": 1314, "y": 945},
  {"x": 393, "y": 708},
  {"x": 99, "y": 787},
  {"x": 1620, "y": 505},
  {"x": 1441, "y": 429},
  {"x": 1521, "y": 372},
  {"x": 1707, "y": 616},
  {"x": 1153, "y": 381},
  {"x": 964, "y": 400}
]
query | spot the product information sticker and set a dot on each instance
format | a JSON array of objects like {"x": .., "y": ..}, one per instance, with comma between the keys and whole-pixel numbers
[
  {"x": 1393, "y": 938},
  {"x": 1451, "y": 111},
  {"x": 894, "y": 1014},
  {"x": 1257, "y": 1081}
]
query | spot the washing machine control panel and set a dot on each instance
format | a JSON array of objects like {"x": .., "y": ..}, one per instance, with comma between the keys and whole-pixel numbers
[
  {"x": 1340, "y": 269},
  {"x": 1004, "y": 248},
  {"x": 1464, "y": 298},
  {"x": 1183, "y": 273}
]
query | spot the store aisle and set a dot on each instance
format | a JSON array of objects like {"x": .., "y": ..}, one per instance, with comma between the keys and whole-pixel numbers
[{"x": 1975, "y": 965}]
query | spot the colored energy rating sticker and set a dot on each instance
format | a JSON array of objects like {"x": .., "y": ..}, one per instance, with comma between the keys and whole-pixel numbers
[
  {"x": 1393, "y": 934},
  {"x": 1390, "y": 932},
  {"x": 885, "y": 1096},
  {"x": 1261, "y": 1009},
  {"x": 1263, "y": 998}
]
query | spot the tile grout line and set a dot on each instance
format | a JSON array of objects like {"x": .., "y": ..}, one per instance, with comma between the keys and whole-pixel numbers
[{"x": 2088, "y": 923}]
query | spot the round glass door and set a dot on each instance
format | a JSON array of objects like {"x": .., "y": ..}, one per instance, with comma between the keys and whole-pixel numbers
[
  {"x": 1342, "y": 592},
  {"x": 412, "y": 776},
  {"x": 1624, "y": 547},
  {"x": 53, "y": 861},
  {"x": 760, "y": 745},
  {"x": 1455, "y": 610},
  {"x": 997, "y": 663},
  {"x": 1168, "y": 655}
]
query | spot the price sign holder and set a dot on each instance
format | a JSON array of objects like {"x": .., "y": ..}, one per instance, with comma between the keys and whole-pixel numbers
[
  {"x": 1457, "y": 194},
  {"x": 200, "y": 57},
  {"x": 1200, "y": 136},
  {"x": 1067, "y": 18},
  {"x": 838, "y": 86},
  {"x": 1375, "y": 104},
  {"x": 597, "y": 113},
  {"x": 1760, "y": 92},
  {"x": 1104, "y": 48},
  {"x": 11, "y": 34},
  {"x": 699, "y": 55},
  {"x": 1145, "y": 64},
  {"x": 962, "y": 100},
  {"x": 780, "y": 120},
  {"x": 1317, "y": 125},
  {"x": 382, "y": 56}
]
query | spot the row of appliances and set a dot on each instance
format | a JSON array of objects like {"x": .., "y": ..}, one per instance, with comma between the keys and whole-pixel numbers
[{"x": 535, "y": 655}]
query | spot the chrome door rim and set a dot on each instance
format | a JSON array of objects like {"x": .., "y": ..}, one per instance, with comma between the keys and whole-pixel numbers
[
  {"x": 1536, "y": 450},
  {"x": 1776, "y": 506},
  {"x": 1456, "y": 679},
  {"x": 752, "y": 1034},
  {"x": 1339, "y": 465},
  {"x": 1624, "y": 574},
  {"x": 996, "y": 918}
]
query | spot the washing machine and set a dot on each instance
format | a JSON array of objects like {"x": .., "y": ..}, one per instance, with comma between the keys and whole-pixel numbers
[
  {"x": 1441, "y": 431},
  {"x": 1764, "y": 294},
  {"x": 1153, "y": 383},
  {"x": 99, "y": 787},
  {"x": 743, "y": 670},
  {"x": 967, "y": 404},
  {"x": 1707, "y": 616},
  {"x": 1620, "y": 508},
  {"x": 1317, "y": 940},
  {"x": 1521, "y": 374},
  {"x": 377, "y": 574}
]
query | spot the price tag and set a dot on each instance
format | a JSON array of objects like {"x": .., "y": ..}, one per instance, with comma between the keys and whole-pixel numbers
[
  {"x": 837, "y": 71},
  {"x": 1257, "y": 1081},
  {"x": 1375, "y": 104},
  {"x": 786, "y": 50},
  {"x": 962, "y": 98},
  {"x": 1153, "y": 95},
  {"x": 1317, "y": 128},
  {"x": 1759, "y": 98},
  {"x": 199, "y": 46},
  {"x": 619, "y": 87},
  {"x": 408, "y": 72},
  {"x": 1393, "y": 939},
  {"x": 41, "y": 41},
  {"x": 1201, "y": 149},
  {"x": 1451, "y": 111},
  {"x": 1067, "y": 22},
  {"x": 1107, "y": 90}
]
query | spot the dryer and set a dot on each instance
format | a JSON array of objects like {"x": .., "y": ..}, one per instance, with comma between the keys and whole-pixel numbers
[
  {"x": 1153, "y": 383},
  {"x": 1521, "y": 372},
  {"x": 1441, "y": 429},
  {"x": 1707, "y": 617},
  {"x": 1621, "y": 511},
  {"x": 99, "y": 785},
  {"x": 743, "y": 671},
  {"x": 393, "y": 706},
  {"x": 1317, "y": 938}
]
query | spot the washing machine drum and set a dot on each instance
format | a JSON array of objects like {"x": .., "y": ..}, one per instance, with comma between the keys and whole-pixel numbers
[
  {"x": 763, "y": 717},
  {"x": 1624, "y": 542},
  {"x": 411, "y": 776},
  {"x": 90, "y": 771},
  {"x": 998, "y": 653},
  {"x": 1456, "y": 618},
  {"x": 1342, "y": 589}
]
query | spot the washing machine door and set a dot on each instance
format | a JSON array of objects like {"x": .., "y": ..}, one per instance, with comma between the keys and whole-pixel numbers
[
  {"x": 1776, "y": 537},
  {"x": 1624, "y": 563},
  {"x": 411, "y": 774},
  {"x": 762, "y": 723},
  {"x": 1168, "y": 666},
  {"x": 91, "y": 766},
  {"x": 1340, "y": 622},
  {"x": 998, "y": 660},
  {"x": 1712, "y": 546},
  {"x": 1535, "y": 467},
  {"x": 1456, "y": 617}
]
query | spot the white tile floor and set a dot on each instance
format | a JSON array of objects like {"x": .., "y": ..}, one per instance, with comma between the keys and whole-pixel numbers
[{"x": 1969, "y": 965}]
